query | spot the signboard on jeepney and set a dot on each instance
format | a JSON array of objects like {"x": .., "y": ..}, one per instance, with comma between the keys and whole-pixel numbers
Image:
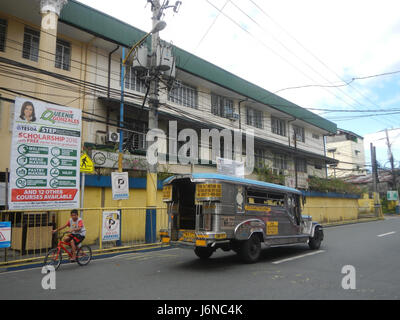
[
  {"x": 105, "y": 159},
  {"x": 120, "y": 185},
  {"x": 392, "y": 195},
  {"x": 230, "y": 167},
  {"x": 111, "y": 226},
  {"x": 5, "y": 234},
  {"x": 45, "y": 154}
]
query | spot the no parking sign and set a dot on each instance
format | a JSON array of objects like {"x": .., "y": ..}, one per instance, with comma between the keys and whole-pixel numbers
[{"x": 120, "y": 185}]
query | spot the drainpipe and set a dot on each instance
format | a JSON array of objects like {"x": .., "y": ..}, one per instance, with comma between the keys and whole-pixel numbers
[
  {"x": 109, "y": 88},
  {"x": 240, "y": 122},
  {"x": 295, "y": 146},
  {"x": 326, "y": 167},
  {"x": 109, "y": 71}
]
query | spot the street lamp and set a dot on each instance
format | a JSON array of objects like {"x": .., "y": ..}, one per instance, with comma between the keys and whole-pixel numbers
[{"x": 157, "y": 28}]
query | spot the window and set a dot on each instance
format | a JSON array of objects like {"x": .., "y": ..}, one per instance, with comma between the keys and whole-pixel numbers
[
  {"x": 318, "y": 166},
  {"x": 278, "y": 126},
  {"x": 133, "y": 81},
  {"x": 265, "y": 198},
  {"x": 280, "y": 161},
  {"x": 301, "y": 165},
  {"x": 299, "y": 133},
  {"x": 259, "y": 158},
  {"x": 63, "y": 55},
  {"x": 254, "y": 118},
  {"x": 315, "y": 136},
  {"x": 3, "y": 32},
  {"x": 221, "y": 106},
  {"x": 135, "y": 140},
  {"x": 31, "y": 44},
  {"x": 183, "y": 94}
]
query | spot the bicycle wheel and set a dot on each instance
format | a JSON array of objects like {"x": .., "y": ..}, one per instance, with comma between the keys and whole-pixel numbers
[
  {"x": 53, "y": 258},
  {"x": 84, "y": 255}
]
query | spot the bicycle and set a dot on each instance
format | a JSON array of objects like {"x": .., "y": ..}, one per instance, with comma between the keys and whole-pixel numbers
[{"x": 54, "y": 256}]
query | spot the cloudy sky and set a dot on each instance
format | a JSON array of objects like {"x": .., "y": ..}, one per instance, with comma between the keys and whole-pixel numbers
[{"x": 288, "y": 43}]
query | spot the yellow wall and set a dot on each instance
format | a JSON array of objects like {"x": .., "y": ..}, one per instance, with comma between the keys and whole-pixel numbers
[
  {"x": 132, "y": 220},
  {"x": 327, "y": 210}
]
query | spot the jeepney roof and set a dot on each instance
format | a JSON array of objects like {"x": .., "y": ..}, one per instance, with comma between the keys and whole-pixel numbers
[{"x": 216, "y": 176}]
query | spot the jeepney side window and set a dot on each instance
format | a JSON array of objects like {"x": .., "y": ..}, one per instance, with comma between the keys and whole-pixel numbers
[{"x": 265, "y": 198}]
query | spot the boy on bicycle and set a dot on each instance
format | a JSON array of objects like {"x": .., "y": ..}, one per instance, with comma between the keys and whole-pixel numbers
[{"x": 78, "y": 232}]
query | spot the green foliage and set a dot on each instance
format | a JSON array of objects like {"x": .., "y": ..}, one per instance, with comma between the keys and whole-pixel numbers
[
  {"x": 333, "y": 185},
  {"x": 267, "y": 175}
]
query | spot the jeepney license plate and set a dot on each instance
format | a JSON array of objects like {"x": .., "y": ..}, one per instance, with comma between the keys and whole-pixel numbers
[{"x": 189, "y": 236}]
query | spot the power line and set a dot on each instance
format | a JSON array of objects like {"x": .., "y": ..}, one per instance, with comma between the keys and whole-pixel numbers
[{"x": 311, "y": 53}]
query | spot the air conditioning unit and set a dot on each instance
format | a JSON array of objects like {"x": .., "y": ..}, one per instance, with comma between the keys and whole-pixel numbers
[{"x": 113, "y": 137}]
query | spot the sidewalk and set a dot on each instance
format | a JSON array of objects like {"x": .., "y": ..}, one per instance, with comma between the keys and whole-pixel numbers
[{"x": 365, "y": 218}]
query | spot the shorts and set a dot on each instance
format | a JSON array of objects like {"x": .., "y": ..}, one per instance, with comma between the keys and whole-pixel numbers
[{"x": 77, "y": 238}]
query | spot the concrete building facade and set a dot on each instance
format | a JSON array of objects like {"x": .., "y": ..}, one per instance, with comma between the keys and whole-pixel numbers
[
  {"x": 78, "y": 64},
  {"x": 348, "y": 148}
]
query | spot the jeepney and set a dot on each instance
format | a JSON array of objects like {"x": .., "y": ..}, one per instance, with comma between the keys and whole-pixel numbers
[{"x": 213, "y": 211}]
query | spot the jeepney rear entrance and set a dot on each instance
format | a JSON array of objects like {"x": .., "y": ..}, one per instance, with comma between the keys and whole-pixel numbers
[{"x": 194, "y": 215}]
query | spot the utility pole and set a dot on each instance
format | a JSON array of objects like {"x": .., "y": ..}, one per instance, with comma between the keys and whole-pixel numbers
[
  {"x": 377, "y": 205},
  {"x": 151, "y": 186},
  {"x": 391, "y": 159}
]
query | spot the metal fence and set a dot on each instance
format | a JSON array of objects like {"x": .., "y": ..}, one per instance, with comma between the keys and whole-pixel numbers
[{"x": 32, "y": 237}]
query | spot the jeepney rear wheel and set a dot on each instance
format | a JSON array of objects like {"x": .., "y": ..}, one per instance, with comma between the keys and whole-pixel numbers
[
  {"x": 250, "y": 249},
  {"x": 203, "y": 253},
  {"x": 315, "y": 242}
]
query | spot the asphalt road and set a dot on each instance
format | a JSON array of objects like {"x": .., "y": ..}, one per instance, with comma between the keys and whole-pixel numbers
[{"x": 282, "y": 273}]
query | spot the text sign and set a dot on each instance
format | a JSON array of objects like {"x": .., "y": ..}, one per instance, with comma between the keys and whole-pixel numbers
[{"x": 392, "y": 195}]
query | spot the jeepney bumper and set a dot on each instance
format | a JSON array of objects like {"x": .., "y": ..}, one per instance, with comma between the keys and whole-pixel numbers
[{"x": 192, "y": 239}]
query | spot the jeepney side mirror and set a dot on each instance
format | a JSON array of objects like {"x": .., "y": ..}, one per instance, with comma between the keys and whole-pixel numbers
[{"x": 303, "y": 198}]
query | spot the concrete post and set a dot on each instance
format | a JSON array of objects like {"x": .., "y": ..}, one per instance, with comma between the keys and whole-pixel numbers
[{"x": 50, "y": 11}]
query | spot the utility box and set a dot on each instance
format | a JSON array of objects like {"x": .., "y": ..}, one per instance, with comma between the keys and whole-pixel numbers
[
  {"x": 140, "y": 61},
  {"x": 165, "y": 58}
]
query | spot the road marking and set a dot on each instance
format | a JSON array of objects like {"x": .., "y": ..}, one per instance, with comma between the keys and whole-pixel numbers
[
  {"x": 298, "y": 257},
  {"x": 386, "y": 234}
]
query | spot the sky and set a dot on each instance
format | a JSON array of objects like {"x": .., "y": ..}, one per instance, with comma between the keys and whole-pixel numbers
[{"x": 288, "y": 43}]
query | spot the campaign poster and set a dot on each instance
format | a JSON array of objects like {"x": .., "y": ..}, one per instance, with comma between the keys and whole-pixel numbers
[{"x": 45, "y": 156}]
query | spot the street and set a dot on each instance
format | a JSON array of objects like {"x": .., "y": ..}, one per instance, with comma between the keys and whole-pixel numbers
[{"x": 292, "y": 272}]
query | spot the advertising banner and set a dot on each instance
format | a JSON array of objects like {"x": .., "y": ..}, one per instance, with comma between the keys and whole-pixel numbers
[
  {"x": 45, "y": 156},
  {"x": 111, "y": 230}
]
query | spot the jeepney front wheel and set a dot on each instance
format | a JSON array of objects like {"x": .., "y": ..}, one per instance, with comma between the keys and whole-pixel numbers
[
  {"x": 250, "y": 249},
  {"x": 315, "y": 242},
  {"x": 203, "y": 253}
]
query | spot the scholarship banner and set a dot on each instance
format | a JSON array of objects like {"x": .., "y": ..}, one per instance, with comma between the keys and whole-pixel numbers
[{"x": 45, "y": 156}]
